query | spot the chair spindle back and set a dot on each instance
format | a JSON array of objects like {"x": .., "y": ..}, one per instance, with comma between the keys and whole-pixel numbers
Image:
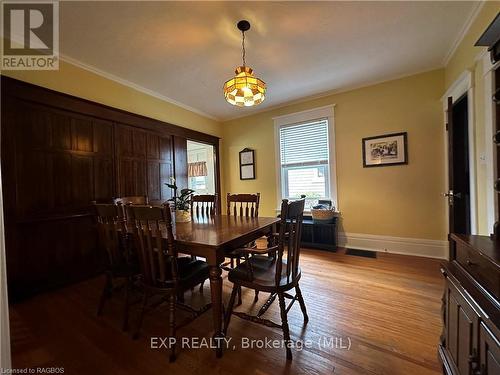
[
  {"x": 244, "y": 205},
  {"x": 203, "y": 205}
]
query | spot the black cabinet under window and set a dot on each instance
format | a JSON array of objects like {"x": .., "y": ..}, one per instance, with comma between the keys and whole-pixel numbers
[{"x": 319, "y": 236}]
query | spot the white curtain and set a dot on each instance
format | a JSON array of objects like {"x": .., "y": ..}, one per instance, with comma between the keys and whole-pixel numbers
[{"x": 197, "y": 169}]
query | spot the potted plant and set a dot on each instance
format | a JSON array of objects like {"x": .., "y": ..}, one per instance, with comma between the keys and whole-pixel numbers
[{"x": 181, "y": 202}]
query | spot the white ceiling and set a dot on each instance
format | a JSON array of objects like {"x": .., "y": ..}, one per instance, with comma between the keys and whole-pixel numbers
[{"x": 185, "y": 51}]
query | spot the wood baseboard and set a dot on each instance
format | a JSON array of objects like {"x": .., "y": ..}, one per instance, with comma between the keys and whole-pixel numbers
[{"x": 395, "y": 245}]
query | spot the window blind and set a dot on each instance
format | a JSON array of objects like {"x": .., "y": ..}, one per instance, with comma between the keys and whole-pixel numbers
[{"x": 304, "y": 144}]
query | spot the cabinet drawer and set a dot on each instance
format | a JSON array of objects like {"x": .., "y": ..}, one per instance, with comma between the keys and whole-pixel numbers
[{"x": 479, "y": 267}]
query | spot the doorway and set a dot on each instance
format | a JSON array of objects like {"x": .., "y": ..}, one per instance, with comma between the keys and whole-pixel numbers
[
  {"x": 459, "y": 196},
  {"x": 201, "y": 167}
]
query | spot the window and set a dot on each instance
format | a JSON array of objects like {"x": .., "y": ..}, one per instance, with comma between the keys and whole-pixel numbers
[
  {"x": 304, "y": 157},
  {"x": 199, "y": 183}
]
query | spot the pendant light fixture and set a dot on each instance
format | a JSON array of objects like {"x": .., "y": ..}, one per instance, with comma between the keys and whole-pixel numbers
[{"x": 244, "y": 89}]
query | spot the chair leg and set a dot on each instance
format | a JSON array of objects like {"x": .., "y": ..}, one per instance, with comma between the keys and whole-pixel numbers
[
  {"x": 302, "y": 303},
  {"x": 180, "y": 296},
  {"x": 232, "y": 262},
  {"x": 229, "y": 311},
  {"x": 106, "y": 293},
  {"x": 171, "y": 325},
  {"x": 201, "y": 286},
  {"x": 126, "y": 306},
  {"x": 284, "y": 325},
  {"x": 256, "y": 298},
  {"x": 239, "y": 297},
  {"x": 141, "y": 316}
]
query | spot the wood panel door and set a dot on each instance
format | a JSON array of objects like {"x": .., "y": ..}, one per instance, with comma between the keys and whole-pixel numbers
[
  {"x": 145, "y": 162},
  {"x": 131, "y": 160},
  {"x": 159, "y": 166}
]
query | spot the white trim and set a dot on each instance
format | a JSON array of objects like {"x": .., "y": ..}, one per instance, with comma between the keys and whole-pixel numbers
[
  {"x": 464, "y": 85},
  {"x": 134, "y": 86},
  {"x": 489, "y": 130},
  {"x": 302, "y": 116},
  {"x": 465, "y": 29},
  {"x": 306, "y": 115},
  {"x": 5, "y": 359},
  {"x": 395, "y": 245}
]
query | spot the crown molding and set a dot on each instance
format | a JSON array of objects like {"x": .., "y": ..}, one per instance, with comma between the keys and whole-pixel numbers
[
  {"x": 325, "y": 94},
  {"x": 134, "y": 86},
  {"x": 465, "y": 29}
]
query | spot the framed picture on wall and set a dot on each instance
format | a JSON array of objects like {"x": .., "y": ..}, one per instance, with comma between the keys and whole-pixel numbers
[
  {"x": 247, "y": 164},
  {"x": 384, "y": 150}
]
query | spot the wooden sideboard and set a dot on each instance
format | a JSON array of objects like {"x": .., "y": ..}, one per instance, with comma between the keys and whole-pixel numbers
[{"x": 470, "y": 343}]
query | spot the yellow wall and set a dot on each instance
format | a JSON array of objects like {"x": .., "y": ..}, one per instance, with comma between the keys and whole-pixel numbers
[
  {"x": 82, "y": 83},
  {"x": 466, "y": 57},
  {"x": 400, "y": 201}
]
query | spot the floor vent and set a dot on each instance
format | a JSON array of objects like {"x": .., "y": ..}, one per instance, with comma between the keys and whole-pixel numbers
[{"x": 362, "y": 253}]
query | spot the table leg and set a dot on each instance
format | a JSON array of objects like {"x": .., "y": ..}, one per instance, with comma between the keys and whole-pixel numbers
[{"x": 216, "y": 292}]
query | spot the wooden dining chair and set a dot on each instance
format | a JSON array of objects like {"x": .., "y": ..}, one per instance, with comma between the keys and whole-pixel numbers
[
  {"x": 120, "y": 264},
  {"x": 163, "y": 272},
  {"x": 273, "y": 275},
  {"x": 246, "y": 205},
  {"x": 243, "y": 205},
  {"x": 203, "y": 205}
]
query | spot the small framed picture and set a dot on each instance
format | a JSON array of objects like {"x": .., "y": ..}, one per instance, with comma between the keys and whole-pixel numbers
[
  {"x": 384, "y": 150},
  {"x": 246, "y": 156},
  {"x": 247, "y": 164}
]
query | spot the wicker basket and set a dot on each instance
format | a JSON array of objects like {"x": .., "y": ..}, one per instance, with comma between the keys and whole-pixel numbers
[{"x": 323, "y": 216}]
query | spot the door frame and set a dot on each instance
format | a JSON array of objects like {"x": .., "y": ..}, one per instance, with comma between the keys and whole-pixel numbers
[
  {"x": 463, "y": 85},
  {"x": 489, "y": 131}
]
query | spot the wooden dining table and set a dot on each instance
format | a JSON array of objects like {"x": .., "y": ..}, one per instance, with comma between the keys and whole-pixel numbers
[{"x": 213, "y": 237}]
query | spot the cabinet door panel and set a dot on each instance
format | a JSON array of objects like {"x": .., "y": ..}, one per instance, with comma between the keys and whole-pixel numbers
[
  {"x": 153, "y": 147},
  {"x": 82, "y": 134},
  {"x": 124, "y": 143},
  {"x": 166, "y": 171},
  {"x": 82, "y": 181},
  {"x": 103, "y": 177},
  {"x": 61, "y": 130},
  {"x": 139, "y": 143},
  {"x": 61, "y": 180},
  {"x": 34, "y": 193},
  {"x": 165, "y": 145},
  {"x": 489, "y": 347},
  {"x": 154, "y": 181},
  {"x": 461, "y": 322},
  {"x": 103, "y": 137}
]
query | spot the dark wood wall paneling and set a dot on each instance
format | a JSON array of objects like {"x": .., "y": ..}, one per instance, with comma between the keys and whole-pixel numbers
[{"x": 59, "y": 153}]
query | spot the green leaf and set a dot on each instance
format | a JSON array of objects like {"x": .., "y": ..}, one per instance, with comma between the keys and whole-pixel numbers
[{"x": 186, "y": 192}]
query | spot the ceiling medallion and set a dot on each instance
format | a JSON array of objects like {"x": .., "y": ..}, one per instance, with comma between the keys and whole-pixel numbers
[{"x": 244, "y": 89}]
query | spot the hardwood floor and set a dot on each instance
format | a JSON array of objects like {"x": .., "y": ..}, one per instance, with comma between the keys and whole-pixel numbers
[{"x": 388, "y": 307}]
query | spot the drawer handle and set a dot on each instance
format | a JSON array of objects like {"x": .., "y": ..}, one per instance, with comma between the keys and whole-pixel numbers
[{"x": 470, "y": 263}]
